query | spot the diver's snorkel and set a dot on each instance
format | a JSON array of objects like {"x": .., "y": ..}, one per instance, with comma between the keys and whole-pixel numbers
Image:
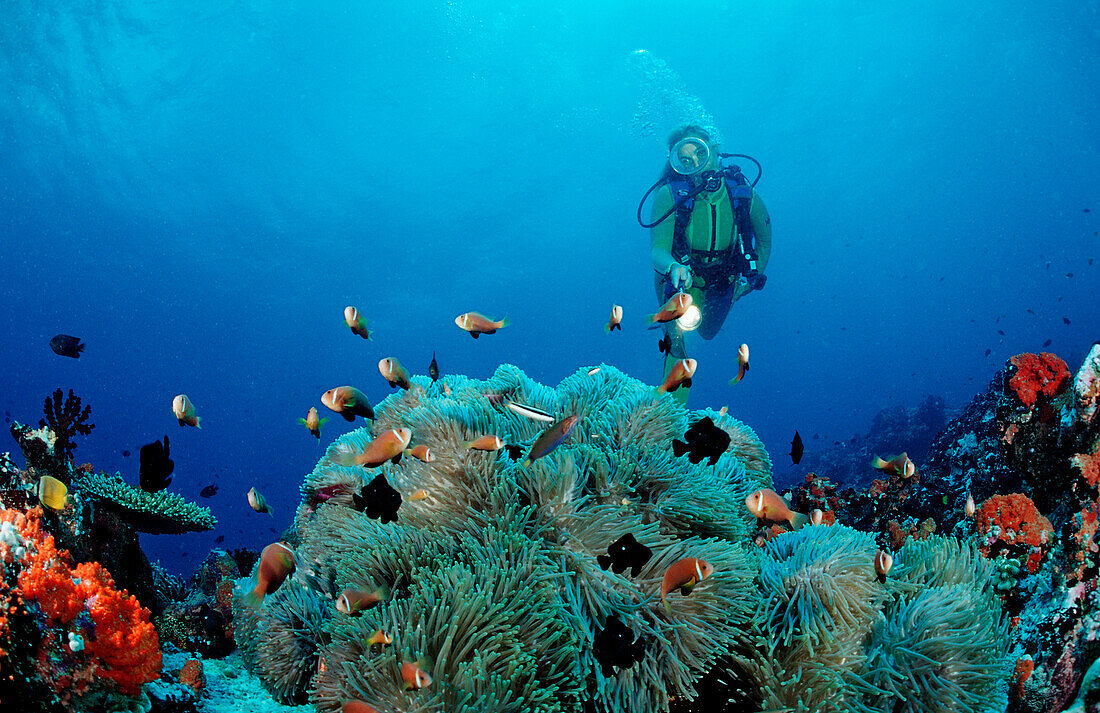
[{"x": 689, "y": 157}]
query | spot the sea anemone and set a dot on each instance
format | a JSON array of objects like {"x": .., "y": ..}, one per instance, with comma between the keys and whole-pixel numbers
[
  {"x": 494, "y": 586},
  {"x": 941, "y": 651}
]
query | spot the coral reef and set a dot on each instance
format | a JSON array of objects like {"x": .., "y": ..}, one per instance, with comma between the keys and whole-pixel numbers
[
  {"x": 1037, "y": 375},
  {"x": 197, "y": 616},
  {"x": 847, "y": 463},
  {"x": 1025, "y": 452},
  {"x": 103, "y": 515},
  {"x": 157, "y": 513},
  {"x": 489, "y": 595},
  {"x": 91, "y": 642}
]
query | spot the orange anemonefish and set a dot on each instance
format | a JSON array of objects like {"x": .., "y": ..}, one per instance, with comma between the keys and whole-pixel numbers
[
  {"x": 684, "y": 575},
  {"x": 380, "y": 637},
  {"x": 312, "y": 422},
  {"x": 276, "y": 564},
  {"x": 898, "y": 465},
  {"x": 673, "y": 309},
  {"x": 184, "y": 411},
  {"x": 349, "y": 402},
  {"x": 485, "y": 443},
  {"x": 421, "y": 452},
  {"x": 742, "y": 363},
  {"x": 356, "y": 322},
  {"x": 387, "y": 446},
  {"x": 258, "y": 502},
  {"x": 394, "y": 374},
  {"x": 477, "y": 324},
  {"x": 883, "y": 562},
  {"x": 354, "y": 601},
  {"x": 414, "y": 676},
  {"x": 680, "y": 375},
  {"x": 768, "y": 505},
  {"x": 357, "y": 706},
  {"x": 615, "y": 321}
]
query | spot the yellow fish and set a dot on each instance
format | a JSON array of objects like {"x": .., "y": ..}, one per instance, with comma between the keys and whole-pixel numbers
[{"x": 52, "y": 492}]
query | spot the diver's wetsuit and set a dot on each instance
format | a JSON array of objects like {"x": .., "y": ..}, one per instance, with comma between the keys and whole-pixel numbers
[{"x": 710, "y": 234}]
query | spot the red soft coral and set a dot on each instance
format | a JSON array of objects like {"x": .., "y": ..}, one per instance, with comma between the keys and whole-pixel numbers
[
  {"x": 1015, "y": 522},
  {"x": 125, "y": 641},
  {"x": 1088, "y": 465},
  {"x": 124, "y": 647},
  {"x": 1037, "y": 374}
]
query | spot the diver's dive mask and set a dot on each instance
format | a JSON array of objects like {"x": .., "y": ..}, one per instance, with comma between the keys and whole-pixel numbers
[{"x": 689, "y": 156}]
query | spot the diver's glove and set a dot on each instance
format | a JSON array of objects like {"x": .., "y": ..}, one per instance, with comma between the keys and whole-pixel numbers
[
  {"x": 756, "y": 280},
  {"x": 680, "y": 276}
]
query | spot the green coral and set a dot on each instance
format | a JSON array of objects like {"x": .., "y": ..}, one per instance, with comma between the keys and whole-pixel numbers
[
  {"x": 1006, "y": 574},
  {"x": 156, "y": 513}
]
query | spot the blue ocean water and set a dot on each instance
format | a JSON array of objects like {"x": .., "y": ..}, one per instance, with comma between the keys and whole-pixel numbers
[{"x": 197, "y": 190}]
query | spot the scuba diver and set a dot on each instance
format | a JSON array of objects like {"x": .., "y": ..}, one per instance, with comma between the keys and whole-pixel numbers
[{"x": 710, "y": 236}]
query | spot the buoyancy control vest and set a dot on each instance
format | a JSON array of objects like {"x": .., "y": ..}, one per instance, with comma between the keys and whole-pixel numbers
[{"x": 717, "y": 267}]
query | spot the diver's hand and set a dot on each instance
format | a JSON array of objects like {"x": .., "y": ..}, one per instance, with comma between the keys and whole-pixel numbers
[{"x": 680, "y": 276}]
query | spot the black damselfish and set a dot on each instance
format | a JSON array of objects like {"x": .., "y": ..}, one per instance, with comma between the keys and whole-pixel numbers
[
  {"x": 616, "y": 646},
  {"x": 702, "y": 440},
  {"x": 796, "y": 448},
  {"x": 665, "y": 345},
  {"x": 209, "y": 491},
  {"x": 625, "y": 552},
  {"x": 378, "y": 500},
  {"x": 64, "y": 345},
  {"x": 155, "y": 467},
  {"x": 433, "y": 369}
]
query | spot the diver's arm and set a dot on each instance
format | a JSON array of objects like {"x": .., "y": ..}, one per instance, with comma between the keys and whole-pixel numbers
[
  {"x": 762, "y": 229},
  {"x": 660, "y": 236}
]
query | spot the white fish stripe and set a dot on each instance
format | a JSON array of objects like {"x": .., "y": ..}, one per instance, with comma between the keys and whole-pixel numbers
[{"x": 530, "y": 412}]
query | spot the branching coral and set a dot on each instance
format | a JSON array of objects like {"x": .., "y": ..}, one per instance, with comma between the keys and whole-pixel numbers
[
  {"x": 156, "y": 513},
  {"x": 66, "y": 419},
  {"x": 1038, "y": 374}
]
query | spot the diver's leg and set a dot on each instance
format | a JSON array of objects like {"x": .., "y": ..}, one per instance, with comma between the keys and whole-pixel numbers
[{"x": 714, "y": 312}]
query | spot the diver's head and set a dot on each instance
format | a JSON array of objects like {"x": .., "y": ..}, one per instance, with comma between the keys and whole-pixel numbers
[{"x": 691, "y": 150}]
